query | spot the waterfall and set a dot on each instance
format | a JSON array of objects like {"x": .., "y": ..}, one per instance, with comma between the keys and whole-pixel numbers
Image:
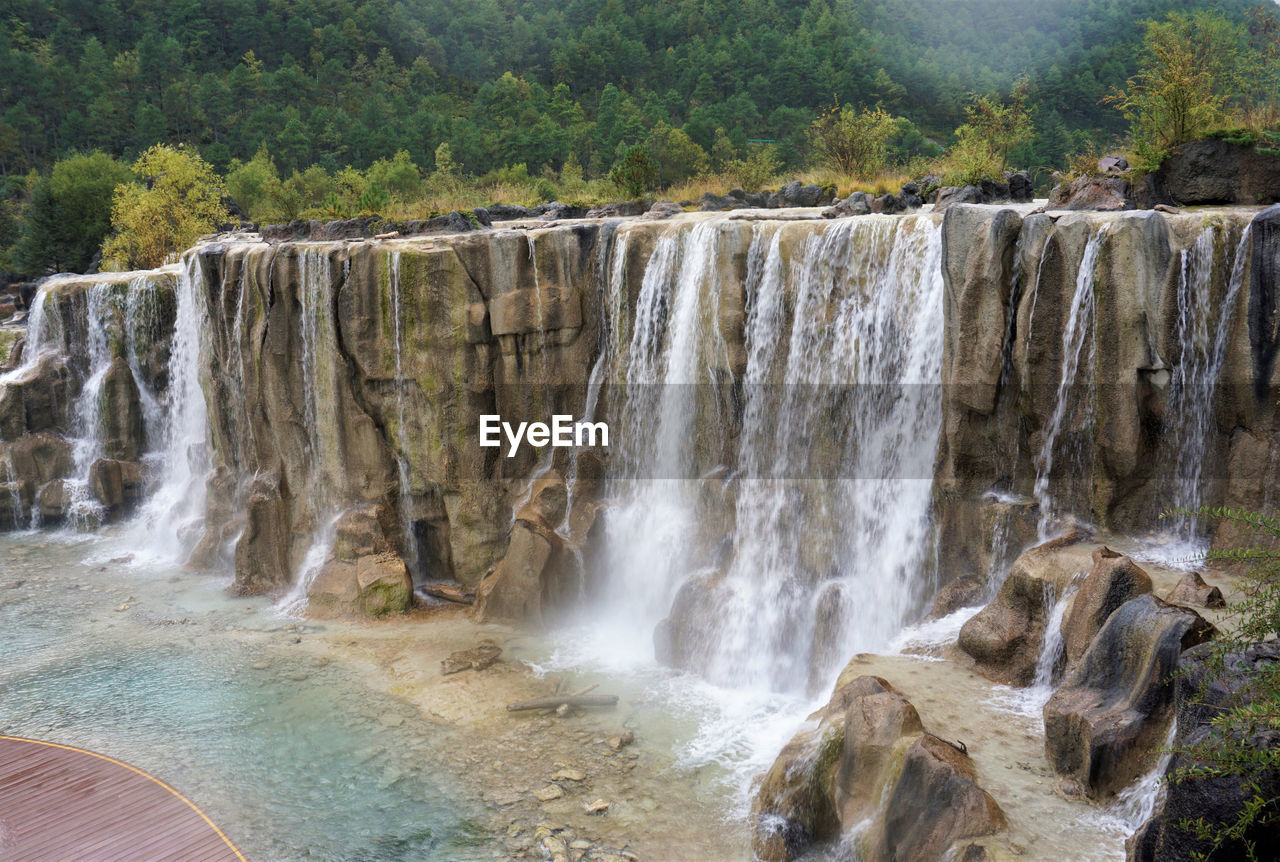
[
  {"x": 86, "y": 422},
  {"x": 826, "y": 488},
  {"x": 43, "y": 333},
  {"x": 318, "y": 372},
  {"x": 412, "y": 554},
  {"x": 1202, "y": 349},
  {"x": 1078, "y": 329},
  {"x": 176, "y": 508}
]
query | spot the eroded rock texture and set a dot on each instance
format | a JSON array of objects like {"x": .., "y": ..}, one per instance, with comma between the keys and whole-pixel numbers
[
  {"x": 1105, "y": 721},
  {"x": 868, "y": 763},
  {"x": 1102, "y": 365}
]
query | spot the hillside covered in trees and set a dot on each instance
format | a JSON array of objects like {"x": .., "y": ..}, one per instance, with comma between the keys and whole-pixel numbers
[{"x": 539, "y": 88}]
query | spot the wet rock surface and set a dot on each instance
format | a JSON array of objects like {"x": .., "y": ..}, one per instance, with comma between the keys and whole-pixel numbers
[
  {"x": 1114, "y": 580},
  {"x": 1205, "y": 687},
  {"x": 1105, "y": 722},
  {"x": 1005, "y": 637}
]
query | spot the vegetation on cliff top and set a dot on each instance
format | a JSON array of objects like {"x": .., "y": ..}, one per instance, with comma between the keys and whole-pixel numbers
[{"x": 350, "y": 106}]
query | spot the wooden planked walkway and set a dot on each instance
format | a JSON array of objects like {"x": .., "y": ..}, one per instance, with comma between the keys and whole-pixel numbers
[{"x": 63, "y": 803}]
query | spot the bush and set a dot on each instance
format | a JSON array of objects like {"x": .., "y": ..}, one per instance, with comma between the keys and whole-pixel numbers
[
  {"x": 634, "y": 173},
  {"x": 180, "y": 202},
  {"x": 757, "y": 169},
  {"x": 855, "y": 143}
]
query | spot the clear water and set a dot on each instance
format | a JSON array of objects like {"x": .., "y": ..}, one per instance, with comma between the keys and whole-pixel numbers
[{"x": 291, "y": 755}]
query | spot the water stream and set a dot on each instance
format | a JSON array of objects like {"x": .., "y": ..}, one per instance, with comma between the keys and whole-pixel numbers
[{"x": 1079, "y": 349}]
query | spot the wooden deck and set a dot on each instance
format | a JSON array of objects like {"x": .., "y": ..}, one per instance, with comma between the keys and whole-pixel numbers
[{"x": 63, "y": 803}]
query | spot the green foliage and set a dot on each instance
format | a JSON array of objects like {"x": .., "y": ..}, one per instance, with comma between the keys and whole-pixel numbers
[
  {"x": 1192, "y": 72},
  {"x": 991, "y": 130},
  {"x": 1230, "y": 750},
  {"x": 255, "y": 184},
  {"x": 178, "y": 199},
  {"x": 634, "y": 173},
  {"x": 756, "y": 170},
  {"x": 677, "y": 156},
  {"x": 853, "y": 143},
  {"x": 398, "y": 175},
  {"x": 68, "y": 214}
]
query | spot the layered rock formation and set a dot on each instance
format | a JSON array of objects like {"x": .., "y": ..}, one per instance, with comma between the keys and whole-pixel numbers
[
  {"x": 1106, "y": 366},
  {"x": 80, "y": 399}
]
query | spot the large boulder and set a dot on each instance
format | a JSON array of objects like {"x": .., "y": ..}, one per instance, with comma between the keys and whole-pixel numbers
[
  {"x": 950, "y": 195},
  {"x": 1192, "y": 591},
  {"x": 1004, "y": 639},
  {"x": 857, "y": 203},
  {"x": 935, "y": 803},
  {"x": 1205, "y": 685},
  {"x": 117, "y": 485},
  {"x": 41, "y": 457},
  {"x": 1220, "y": 172},
  {"x": 384, "y": 585},
  {"x": 867, "y": 764},
  {"x": 1108, "y": 194},
  {"x": 1113, "y": 580},
  {"x": 1106, "y": 720},
  {"x": 829, "y": 777}
]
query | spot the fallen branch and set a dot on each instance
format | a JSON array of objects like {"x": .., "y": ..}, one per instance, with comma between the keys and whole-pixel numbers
[
  {"x": 450, "y": 593},
  {"x": 557, "y": 701}
]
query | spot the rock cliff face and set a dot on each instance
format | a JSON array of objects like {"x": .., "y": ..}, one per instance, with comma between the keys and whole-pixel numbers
[{"x": 1102, "y": 366}]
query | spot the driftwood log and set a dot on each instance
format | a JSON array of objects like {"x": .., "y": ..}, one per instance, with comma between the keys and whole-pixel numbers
[
  {"x": 450, "y": 593},
  {"x": 558, "y": 700}
]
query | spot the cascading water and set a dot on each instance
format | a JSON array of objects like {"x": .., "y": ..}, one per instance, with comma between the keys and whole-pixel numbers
[
  {"x": 83, "y": 511},
  {"x": 412, "y": 555},
  {"x": 177, "y": 506},
  {"x": 1079, "y": 349},
  {"x": 842, "y": 332},
  {"x": 1136, "y": 803},
  {"x": 318, "y": 371},
  {"x": 44, "y": 333},
  {"x": 1204, "y": 325}
]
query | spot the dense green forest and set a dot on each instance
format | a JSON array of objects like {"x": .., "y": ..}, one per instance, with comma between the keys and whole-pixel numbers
[{"x": 338, "y": 83}]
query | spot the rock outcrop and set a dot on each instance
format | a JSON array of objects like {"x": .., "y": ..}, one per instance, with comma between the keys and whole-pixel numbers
[
  {"x": 1093, "y": 432},
  {"x": 1204, "y": 688},
  {"x": 1104, "y": 724},
  {"x": 1004, "y": 638},
  {"x": 1218, "y": 172},
  {"x": 869, "y": 759}
]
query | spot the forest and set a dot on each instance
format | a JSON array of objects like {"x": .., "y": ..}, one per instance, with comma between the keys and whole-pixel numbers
[{"x": 518, "y": 91}]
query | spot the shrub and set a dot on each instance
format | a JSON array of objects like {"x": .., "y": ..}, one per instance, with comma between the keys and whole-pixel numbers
[
  {"x": 180, "y": 202},
  {"x": 852, "y": 142},
  {"x": 634, "y": 173}
]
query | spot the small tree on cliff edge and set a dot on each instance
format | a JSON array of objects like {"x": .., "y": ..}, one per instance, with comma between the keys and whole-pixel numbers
[
  {"x": 179, "y": 199},
  {"x": 635, "y": 173},
  {"x": 1190, "y": 74}
]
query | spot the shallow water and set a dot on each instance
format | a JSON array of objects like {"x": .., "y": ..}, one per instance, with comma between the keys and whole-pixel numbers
[{"x": 289, "y": 753}]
